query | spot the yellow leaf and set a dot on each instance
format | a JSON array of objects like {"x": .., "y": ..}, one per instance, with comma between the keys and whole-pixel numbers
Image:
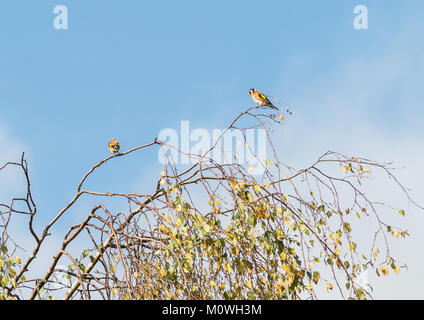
[
  {"x": 329, "y": 286},
  {"x": 212, "y": 283},
  {"x": 263, "y": 280},
  {"x": 376, "y": 251},
  {"x": 174, "y": 190},
  {"x": 168, "y": 295},
  {"x": 367, "y": 169},
  {"x": 286, "y": 197},
  {"x": 162, "y": 182},
  {"x": 384, "y": 270},
  {"x": 268, "y": 162},
  {"x": 162, "y": 272},
  {"x": 249, "y": 284},
  {"x": 18, "y": 259},
  {"x": 397, "y": 269},
  {"x": 257, "y": 188},
  {"x": 228, "y": 268},
  {"x": 343, "y": 169},
  {"x": 279, "y": 211}
]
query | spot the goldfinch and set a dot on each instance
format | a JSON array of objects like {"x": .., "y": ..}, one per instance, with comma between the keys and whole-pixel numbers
[
  {"x": 261, "y": 99},
  {"x": 114, "y": 146}
]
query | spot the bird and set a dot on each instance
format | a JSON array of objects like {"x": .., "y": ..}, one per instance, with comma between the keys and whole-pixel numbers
[
  {"x": 114, "y": 146},
  {"x": 261, "y": 99}
]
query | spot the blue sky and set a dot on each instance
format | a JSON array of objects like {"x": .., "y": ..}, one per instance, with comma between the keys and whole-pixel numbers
[{"x": 132, "y": 68}]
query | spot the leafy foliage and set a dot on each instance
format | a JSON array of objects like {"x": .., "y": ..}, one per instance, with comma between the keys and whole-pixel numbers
[{"x": 215, "y": 231}]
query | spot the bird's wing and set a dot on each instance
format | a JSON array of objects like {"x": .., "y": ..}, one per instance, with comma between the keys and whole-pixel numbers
[{"x": 264, "y": 98}]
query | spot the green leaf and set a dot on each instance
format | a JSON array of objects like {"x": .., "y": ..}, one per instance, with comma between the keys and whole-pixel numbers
[
  {"x": 347, "y": 227},
  {"x": 315, "y": 277},
  {"x": 4, "y": 281}
]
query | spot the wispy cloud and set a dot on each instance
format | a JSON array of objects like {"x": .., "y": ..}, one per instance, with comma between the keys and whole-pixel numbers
[{"x": 371, "y": 107}]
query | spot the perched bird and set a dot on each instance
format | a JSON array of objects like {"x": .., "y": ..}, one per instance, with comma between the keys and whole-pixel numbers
[
  {"x": 261, "y": 99},
  {"x": 114, "y": 146}
]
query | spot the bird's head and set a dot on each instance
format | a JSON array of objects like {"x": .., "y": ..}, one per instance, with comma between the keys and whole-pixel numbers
[{"x": 252, "y": 91}]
